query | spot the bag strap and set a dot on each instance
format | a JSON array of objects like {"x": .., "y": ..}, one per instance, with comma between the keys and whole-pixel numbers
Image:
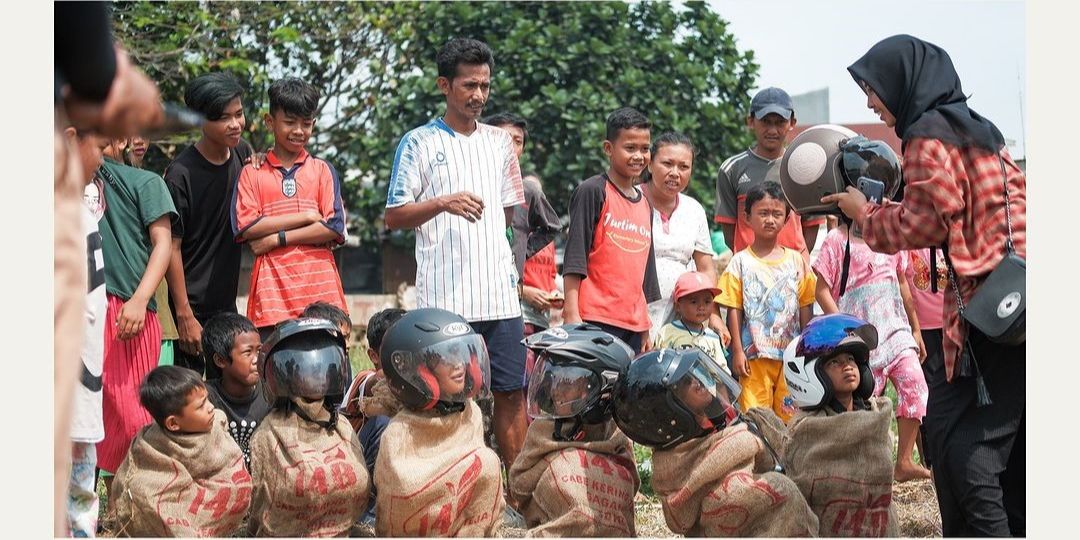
[{"x": 1008, "y": 210}]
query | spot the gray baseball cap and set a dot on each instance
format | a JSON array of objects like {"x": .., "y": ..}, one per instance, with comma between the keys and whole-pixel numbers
[{"x": 772, "y": 100}]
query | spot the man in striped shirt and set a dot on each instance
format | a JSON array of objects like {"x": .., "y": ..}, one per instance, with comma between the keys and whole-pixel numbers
[{"x": 451, "y": 178}]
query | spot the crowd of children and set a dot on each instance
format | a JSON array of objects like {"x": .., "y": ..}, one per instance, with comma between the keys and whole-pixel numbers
[{"x": 299, "y": 445}]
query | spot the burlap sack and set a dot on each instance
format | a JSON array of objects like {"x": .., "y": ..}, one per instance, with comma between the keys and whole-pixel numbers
[
  {"x": 581, "y": 488},
  {"x": 710, "y": 487},
  {"x": 182, "y": 485},
  {"x": 308, "y": 481},
  {"x": 843, "y": 465},
  {"x": 381, "y": 402},
  {"x": 435, "y": 477}
]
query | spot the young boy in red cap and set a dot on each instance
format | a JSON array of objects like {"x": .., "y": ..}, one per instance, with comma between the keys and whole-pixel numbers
[{"x": 693, "y": 296}]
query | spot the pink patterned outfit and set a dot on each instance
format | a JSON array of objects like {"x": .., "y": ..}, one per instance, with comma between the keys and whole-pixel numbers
[{"x": 873, "y": 294}]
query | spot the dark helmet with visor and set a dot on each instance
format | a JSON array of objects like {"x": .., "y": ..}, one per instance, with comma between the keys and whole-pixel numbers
[
  {"x": 305, "y": 358},
  {"x": 671, "y": 396},
  {"x": 574, "y": 375},
  {"x": 433, "y": 360}
]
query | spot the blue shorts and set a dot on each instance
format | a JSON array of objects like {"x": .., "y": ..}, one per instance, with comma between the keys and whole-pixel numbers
[{"x": 503, "y": 339}]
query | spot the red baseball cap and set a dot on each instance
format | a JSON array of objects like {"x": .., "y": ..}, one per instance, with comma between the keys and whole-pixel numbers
[{"x": 692, "y": 282}]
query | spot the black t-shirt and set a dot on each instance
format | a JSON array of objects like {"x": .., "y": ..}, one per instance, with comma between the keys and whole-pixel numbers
[
  {"x": 202, "y": 193},
  {"x": 535, "y": 225},
  {"x": 244, "y": 415}
]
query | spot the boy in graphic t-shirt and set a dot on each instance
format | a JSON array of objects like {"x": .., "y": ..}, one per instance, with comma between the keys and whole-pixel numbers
[{"x": 609, "y": 271}]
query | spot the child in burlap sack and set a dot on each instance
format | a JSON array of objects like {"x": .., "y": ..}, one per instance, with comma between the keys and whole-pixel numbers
[
  {"x": 183, "y": 475},
  {"x": 368, "y": 427},
  {"x": 306, "y": 461},
  {"x": 838, "y": 449},
  {"x": 575, "y": 475},
  {"x": 713, "y": 471},
  {"x": 434, "y": 475}
]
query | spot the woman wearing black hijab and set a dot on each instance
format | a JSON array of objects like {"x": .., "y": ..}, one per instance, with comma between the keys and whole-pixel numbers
[{"x": 956, "y": 167}]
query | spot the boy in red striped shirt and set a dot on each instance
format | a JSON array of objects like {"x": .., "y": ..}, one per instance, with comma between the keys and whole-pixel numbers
[{"x": 289, "y": 210}]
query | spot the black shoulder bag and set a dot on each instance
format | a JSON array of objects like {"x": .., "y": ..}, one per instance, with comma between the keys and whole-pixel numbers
[{"x": 999, "y": 305}]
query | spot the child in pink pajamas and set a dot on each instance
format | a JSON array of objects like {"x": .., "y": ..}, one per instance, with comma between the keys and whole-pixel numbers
[{"x": 876, "y": 293}]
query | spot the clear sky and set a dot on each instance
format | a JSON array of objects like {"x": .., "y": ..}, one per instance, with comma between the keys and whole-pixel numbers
[{"x": 807, "y": 45}]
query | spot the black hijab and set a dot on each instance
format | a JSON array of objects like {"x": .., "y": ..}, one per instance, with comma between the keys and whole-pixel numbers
[{"x": 918, "y": 84}]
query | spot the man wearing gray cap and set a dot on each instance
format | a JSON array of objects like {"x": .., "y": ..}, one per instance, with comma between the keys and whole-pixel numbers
[{"x": 771, "y": 118}]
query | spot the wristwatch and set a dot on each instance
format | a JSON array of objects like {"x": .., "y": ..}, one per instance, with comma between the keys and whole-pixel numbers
[{"x": 281, "y": 238}]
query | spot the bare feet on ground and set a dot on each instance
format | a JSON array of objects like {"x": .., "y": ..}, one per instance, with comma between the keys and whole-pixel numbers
[{"x": 906, "y": 472}]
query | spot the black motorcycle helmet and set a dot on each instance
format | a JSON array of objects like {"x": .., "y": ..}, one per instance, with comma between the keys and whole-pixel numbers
[
  {"x": 655, "y": 402},
  {"x": 862, "y": 157},
  {"x": 573, "y": 378},
  {"x": 430, "y": 344},
  {"x": 305, "y": 358},
  {"x": 560, "y": 334}
]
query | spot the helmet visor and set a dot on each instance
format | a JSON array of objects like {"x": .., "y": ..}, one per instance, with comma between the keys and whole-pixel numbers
[
  {"x": 708, "y": 392},
  {"x": 453, "y": 370},
  {"x": 825, "y": 333},
  {"x": 560, "y": 391}
]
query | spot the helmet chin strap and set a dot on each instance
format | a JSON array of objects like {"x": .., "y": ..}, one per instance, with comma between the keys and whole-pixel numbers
[
  {"x": 575, "y": 430},
  {"x": 329, "y": 425},
  {"x": 779, "y": 467},
  {"x": 445, "y": 408}
]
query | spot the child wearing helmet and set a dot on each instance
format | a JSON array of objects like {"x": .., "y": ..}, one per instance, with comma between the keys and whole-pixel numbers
[
  {"x": 434, "y": 475},
  {"x": 307, "y": 463},
  {"x": 854, "y": 279},
  {"x": 714, "y": 472},
  {"x": 838, "y": 450},
  {"x": 575, "y": 475}
]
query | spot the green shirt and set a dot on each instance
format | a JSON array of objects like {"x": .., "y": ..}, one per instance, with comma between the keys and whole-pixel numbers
[{"x": 134, "y": 199}]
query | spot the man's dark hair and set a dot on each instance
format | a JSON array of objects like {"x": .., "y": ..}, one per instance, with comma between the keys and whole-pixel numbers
[
  {"x": 220, "y": 333},
  {"x": 164, "y": 391},
  {"x": 210, "y": 93},
  {"x": 294, "y": 96},
  {"x": 625, "y": 118},
  {"x": 508, "y": 119},
  {"x": 380, "y": 323},
  {"x": 328, "y": 312},
  {"x": 760, "y": 191},
  {"x": 463, "y": 51}
]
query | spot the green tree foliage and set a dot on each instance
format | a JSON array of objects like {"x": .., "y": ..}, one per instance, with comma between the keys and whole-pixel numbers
[
  {"x": 563, "y": 66},
  {"x": 330, "y": 44}
]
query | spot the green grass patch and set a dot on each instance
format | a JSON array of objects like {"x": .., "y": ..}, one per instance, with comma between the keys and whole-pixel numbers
[{"x": 643, "y": 459}]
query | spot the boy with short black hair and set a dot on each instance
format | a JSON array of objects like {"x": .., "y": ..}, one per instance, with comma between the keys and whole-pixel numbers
[
  {"x": 609, "y": 271},
  {"x": 177, "y": 400},
  {"x": 231, "y": 343},
  {"x": 204, "y": 269},
  {"x": 183, "y": 475},
  {"x": 289, "y": 210},
  {"x": 769, "y": 292}
]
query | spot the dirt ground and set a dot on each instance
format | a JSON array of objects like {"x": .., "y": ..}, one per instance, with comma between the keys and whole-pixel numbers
[{"x": 915, "y": 502}]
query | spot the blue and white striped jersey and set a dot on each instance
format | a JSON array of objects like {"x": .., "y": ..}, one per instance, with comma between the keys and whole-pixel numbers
[{"x": 466, "y": 268}]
